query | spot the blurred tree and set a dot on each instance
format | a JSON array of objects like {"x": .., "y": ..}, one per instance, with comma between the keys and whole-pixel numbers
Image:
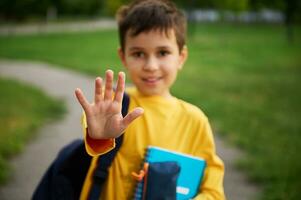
[
  {"x": 290, "y": 8},
  {"x": 110, "y": 7},
  {"x": 24, "y": 9},
  {"x": 20, "y": 9},
  {"x": 235, "y": 5},
  {"x": 78, "y": 7},
  {"x": 260, "y": 4}
]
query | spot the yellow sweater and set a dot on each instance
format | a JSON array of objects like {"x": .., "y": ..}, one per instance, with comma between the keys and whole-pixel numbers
[{"x": 167, "y": 123}]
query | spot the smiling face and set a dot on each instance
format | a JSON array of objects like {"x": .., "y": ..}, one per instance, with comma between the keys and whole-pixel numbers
[{"x": 153, "y": 60}]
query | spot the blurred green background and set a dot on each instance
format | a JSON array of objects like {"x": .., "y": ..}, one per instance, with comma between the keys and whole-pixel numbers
[{"x": 245, "y": 76}]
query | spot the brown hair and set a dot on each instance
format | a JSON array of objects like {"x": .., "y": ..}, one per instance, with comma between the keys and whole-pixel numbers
[{"x": 146, "y": 15}]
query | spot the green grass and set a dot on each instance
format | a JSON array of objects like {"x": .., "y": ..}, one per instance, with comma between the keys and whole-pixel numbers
[
  {"x": 22, "y": 110},
  {"x": 88, "y": 52},
  {"x": 246, "y": 78}
]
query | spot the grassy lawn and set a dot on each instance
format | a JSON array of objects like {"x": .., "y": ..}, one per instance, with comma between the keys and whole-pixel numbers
[
  {"x": 248, "y": 81},
  {"x": 91, "y": 53},
  {"x": 246, "y": 78},
  {"x": 22, "y": 110}
]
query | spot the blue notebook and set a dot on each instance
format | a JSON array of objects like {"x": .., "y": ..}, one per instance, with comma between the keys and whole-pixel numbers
[{"x": 191, "y": 174}]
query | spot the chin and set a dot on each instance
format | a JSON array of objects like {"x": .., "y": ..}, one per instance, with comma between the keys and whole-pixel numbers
[{"x": 148, "y": 92}]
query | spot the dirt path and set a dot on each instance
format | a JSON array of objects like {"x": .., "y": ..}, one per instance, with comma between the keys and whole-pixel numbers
[
  {"x": 38, "y": 28},
  {"x": 31, "y": 164}
]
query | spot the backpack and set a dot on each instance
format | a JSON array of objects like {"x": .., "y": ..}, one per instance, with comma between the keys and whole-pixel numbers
[{"x": 64, "y": 178}]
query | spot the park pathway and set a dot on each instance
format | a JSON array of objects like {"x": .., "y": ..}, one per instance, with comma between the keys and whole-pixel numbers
[
  {"x": 29, "y": 166},
  {"x": 40, "y": 28}
]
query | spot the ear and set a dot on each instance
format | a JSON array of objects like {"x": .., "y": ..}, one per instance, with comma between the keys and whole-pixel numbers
[
  {"x": 122, "y": 57},
  {"x": 183, "y": 57}
]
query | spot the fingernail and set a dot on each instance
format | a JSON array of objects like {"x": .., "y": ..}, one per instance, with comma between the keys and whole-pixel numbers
[
  {"x": 109, "y": 71},
  {"x": 121, "y": 74},
  {"x": 140, "y": 110}
]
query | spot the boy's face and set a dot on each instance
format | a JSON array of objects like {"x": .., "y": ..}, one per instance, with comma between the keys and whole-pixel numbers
[{"x": 153, "y": 60}]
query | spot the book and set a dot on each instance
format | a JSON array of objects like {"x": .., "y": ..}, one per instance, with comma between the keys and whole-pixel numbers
[{"x": 191, "y": 173}]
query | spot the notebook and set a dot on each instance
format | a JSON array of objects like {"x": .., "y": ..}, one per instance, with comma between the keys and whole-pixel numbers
[{"x": 191, "y": 174}]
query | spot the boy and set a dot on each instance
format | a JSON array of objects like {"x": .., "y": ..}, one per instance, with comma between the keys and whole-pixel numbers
[{"x": 152, "y": 39}]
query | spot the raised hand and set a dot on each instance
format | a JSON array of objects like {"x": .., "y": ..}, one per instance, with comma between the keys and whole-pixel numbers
[{"x": 104, "y": 116}]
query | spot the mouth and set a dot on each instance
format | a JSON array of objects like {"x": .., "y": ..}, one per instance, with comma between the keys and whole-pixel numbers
[{"x": 151, "y": 80}]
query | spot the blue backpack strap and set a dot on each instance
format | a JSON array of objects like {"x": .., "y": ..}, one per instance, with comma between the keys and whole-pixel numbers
[{"x": 104, "y": 161}]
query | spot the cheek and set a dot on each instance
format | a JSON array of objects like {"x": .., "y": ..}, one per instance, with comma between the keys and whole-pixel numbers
[
  {"x": 171, "y": 72},
  {"x": 172, "y": 61},
  {"x": 135, "y": 63},
  {"x": 171, "y": 66},
  {"x": 133, "y": 73}
]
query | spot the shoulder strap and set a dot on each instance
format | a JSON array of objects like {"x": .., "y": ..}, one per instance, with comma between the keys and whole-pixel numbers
[{"x": 104, "y": 161}]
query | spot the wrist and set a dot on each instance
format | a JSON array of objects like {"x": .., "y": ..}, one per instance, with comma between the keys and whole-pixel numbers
[
  {"x": 98, "y": 146},
  {"x": 93, "y": 136}
]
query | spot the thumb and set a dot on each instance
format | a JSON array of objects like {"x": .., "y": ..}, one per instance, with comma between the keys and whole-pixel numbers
[{"x": 130, "y": 117}]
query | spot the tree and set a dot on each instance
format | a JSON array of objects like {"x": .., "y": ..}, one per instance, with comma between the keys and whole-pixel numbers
[
  {"x": 290, "y": 8},
  {"x": 110, "y": 7}
]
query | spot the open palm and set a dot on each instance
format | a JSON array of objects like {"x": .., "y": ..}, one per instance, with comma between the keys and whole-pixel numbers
[{"x": 104, "y": 116}]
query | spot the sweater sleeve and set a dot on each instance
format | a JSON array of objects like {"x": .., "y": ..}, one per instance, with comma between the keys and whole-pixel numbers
[
  {"x": 95, "y": 147},
  {"x": 212, "y": 184}
]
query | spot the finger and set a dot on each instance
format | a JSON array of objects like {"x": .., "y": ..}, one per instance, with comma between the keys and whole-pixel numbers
[
  {"x": 120, "y": 87},
  {"x": 109, "y": 85},
  {"x": 82, "y": 99},
  {"x": 98, "y": 90},
  {"x": 130, "y": 117}
]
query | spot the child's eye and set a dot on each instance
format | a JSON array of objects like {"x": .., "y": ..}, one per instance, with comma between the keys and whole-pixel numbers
[
  {"x": 163, "y": 53},
  {"x": 138, "y": 54}
]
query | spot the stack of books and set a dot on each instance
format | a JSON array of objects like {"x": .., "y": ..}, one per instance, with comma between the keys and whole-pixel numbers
[{"x": 191, "y": 171}]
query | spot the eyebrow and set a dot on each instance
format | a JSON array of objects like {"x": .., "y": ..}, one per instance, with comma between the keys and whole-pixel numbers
[
  {"x": 135, "y": 48},
  {"x": 141, "y": 48}
]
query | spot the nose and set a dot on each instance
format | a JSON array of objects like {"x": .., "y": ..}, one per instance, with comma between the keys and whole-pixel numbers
[{"x": 151, "y": 64}]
